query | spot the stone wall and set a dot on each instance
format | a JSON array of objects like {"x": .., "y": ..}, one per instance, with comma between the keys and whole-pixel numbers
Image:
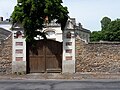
[
  {"x": 97, "y": 57},
  {"x": 6, "y": 56}
]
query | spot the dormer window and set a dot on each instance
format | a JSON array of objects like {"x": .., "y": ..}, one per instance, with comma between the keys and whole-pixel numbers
[{"x": 68, "y": 35}]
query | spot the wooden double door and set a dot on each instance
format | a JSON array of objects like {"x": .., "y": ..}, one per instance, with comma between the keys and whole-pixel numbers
[{"x": 44, "y": 56}]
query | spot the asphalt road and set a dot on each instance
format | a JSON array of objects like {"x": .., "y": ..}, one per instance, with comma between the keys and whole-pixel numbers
[{"x": 59, "y": 85}]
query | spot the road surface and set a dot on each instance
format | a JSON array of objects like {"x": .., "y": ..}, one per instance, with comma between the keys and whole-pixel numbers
[{"x": 59, "y": 85}]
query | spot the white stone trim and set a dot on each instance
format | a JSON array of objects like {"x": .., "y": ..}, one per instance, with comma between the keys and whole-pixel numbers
[{"x": 68, "y": 62}]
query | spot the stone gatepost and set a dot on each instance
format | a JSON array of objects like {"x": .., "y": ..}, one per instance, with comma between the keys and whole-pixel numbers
[
  {"x": 68, "y": 63},
  {"x": 19, "y": 51}
]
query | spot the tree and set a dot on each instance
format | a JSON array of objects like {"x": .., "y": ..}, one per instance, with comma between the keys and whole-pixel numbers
[
  {"x": 96, "y": 36},
  {"x": 110, "y": 31},
  {"x": 34, "y": 13},
  {"x": 105, "y": 22},
  {"x": 114, "y": 26}
]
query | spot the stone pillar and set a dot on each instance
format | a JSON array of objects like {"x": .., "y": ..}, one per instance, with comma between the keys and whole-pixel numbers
[
  {"x": 19, "y": 51},
  {"x": 68, "y": 63}
]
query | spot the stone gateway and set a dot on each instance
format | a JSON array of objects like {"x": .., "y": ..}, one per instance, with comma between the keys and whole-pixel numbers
[{"x": 65, "y": 51}]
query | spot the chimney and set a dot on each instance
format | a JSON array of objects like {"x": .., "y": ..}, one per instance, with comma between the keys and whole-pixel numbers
[{"x": 1, "y": 19}]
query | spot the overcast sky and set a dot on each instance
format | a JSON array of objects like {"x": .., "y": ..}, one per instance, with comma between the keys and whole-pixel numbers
[{"x": 87, "y": 12}]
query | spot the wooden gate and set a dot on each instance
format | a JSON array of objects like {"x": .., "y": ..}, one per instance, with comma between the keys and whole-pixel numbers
[{"x": 44, "y": 56}]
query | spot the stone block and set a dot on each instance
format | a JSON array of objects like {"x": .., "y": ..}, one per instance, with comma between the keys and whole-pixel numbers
[
  {"x": 68, "y": 66},
  {"x": 18, "y": 67}
]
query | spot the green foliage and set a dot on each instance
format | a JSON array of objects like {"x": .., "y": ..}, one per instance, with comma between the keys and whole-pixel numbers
[
  {"x": 32, "y": 15},
  {"x": 105, "y": 22},
  {"x": 110, "y": 31},
  {"x": 95, "y": 36},
  {"x": 114, "y": 26}
]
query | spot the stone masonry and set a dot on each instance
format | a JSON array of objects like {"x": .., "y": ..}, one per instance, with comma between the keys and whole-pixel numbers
[
  {"x": 101, "y": 57},
  {"x": 6, "y": 56},
  {"x": 97, "y": 57}
]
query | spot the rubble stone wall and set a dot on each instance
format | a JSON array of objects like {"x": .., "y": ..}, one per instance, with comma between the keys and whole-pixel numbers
[
  {"x": 97, "y": 57},
  {"x": 6, "y": 56}
]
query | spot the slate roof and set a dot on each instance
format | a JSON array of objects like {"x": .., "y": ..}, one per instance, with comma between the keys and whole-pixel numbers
[
  {"x": 4, "y": 34},
  {"x": 5, "y": 22}
]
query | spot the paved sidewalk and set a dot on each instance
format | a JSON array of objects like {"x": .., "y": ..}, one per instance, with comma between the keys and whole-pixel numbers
[{"x": 67, "y": 76}]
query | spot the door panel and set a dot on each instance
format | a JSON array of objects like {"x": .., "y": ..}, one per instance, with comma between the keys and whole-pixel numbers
[{"x": 45, "y": 56}]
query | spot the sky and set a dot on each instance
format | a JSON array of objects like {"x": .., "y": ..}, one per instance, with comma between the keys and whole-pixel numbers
[{"x": 87, "y": 12}]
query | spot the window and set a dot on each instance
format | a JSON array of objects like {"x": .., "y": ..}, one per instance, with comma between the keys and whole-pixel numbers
[{"x": 68, "y": 35}]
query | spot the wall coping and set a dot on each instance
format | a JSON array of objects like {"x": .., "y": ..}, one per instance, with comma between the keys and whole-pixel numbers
[{"x": 104, "y": 42}]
